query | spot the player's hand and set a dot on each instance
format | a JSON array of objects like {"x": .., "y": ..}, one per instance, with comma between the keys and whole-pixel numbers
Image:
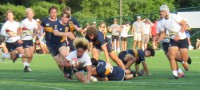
[
  {"x": 19, "y": 41},
  {"x": 11, "y": 34},
  {"x": 70, "y": 35},
  {"x": 86, "y": 82}
]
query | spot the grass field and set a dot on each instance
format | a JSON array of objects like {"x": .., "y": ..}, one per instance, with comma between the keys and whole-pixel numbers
[{"x": 47, "y": 76}]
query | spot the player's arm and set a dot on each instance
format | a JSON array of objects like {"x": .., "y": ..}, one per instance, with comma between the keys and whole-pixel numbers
[
  {"x": 161, "y": 36},
  {"x": 104, "y": 48},
  {"x": 102, "y": 79},
  {"x": 89, "y": 72},
  {"x": 145, "y": 68},
  {"x": 61, "y": 34}
]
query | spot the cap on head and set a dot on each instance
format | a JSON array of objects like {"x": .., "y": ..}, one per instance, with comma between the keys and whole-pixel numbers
[
  {"x": 164, "y": 8},
  {"x": 138, "y": 17}
]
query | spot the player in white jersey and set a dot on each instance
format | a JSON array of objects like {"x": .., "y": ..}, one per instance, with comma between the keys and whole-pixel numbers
[
  {"x": 29, "y": 29},
  {"x": 175, "y": 25},
  {"x": 78, "y": 59},
  {"x": 10, "y": 31}
]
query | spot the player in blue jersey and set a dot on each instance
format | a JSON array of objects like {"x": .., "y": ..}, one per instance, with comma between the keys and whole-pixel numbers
[
  {"x": 48, "y": 23},
  {"x": 74, "y": 27},
  {"x": 129, "y": 57},
  {"x": 58, "y": 41},
  {"x": 99, "y": 43},
  {"x": 105, "y": 72}
]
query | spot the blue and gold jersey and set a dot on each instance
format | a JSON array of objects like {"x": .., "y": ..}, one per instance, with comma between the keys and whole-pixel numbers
[
  {"x": 138, "y": 54},
  {"x": 48, "y": 28},
  {"x": 98, "y": 40},
  {"x": 112, "y": 73},
  {"x": 71, "y": 24},
  {"x": 61, "y": 28}
]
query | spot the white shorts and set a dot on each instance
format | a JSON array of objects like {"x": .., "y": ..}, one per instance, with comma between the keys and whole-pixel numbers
[{"x": 137, "y": 37}]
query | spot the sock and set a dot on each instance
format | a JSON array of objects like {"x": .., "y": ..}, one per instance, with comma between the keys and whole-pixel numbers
[
  {"x": 175, "y": 73},
  {"x": 179, "y": 70},
  {"x": 25, "y": 64},
  {"x": 183, "y": 62},
  {"x": 20, "y": 55}
]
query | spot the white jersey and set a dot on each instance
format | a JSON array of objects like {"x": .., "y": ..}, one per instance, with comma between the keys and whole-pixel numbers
[
  {"x": 147, "y": 28},
  {"x": 172, "y": 25},
  {"x": 83, "y": 61},
  {"x": 125, "y": 30},
  {"x": 30, "y": 26},
  {"x": 10, "y": 27}
]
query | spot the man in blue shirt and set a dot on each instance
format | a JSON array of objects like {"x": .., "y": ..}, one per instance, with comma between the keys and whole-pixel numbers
[{"x": 129, "y": 57}]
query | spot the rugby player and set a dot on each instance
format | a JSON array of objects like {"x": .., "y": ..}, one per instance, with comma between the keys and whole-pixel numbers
[
  {"x": 78, "y": 60},
  {"x": 28, "y": 31},
  {"x": 10, "y": 30},
  {"x": 105, "y": 72},
  {"x": 176, "y": 26},
  {"x": 129, "y": 57},
  {"x": 99, "y": 42}
]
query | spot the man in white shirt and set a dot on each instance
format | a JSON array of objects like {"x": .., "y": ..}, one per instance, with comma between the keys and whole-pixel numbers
[
  {"x": 175, "y": 25},
  {"x": 78, "y": 60},
  {"x": 29, "y": 29},
  {"x": 137, "y": 28}
]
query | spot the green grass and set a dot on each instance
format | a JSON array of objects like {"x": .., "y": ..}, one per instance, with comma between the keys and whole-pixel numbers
[{"x": 47, "y": 76}]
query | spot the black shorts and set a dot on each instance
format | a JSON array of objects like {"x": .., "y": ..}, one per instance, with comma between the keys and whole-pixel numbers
[
  {"x": 12, "y": 46},
  {"x": 122, "y": 55},
  {"x": 27, "y": 43},
  {"x": 165, "y": 46},
  {"x": 54, "y": 48},
  {"x": 115, "y": 37},
  {"x": 39, "y": 51},
  {"x": 108, "y": 46},
  {"x": 180, "y": 44}
]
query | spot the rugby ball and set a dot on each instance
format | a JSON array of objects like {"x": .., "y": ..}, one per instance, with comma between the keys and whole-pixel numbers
[{"x": 93, "y": 79}]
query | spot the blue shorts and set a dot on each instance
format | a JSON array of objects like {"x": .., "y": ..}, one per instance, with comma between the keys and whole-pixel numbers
[
  {"x": 122, "y": 55},
  {"x": 12, "y": 46},
  {"x": 27, "y": 43},
  {"x": 108, "y": 46},
  {"x": 180, "y": 44},
  {"x": 54, "y": 48},
  {"x": 165, "y": 46},
  {"x": 117, "y": 74}
]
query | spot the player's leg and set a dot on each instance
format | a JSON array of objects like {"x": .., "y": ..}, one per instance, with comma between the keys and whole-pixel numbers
[
  {"x": 95, "y": 53},
  {"x": 172, "y": 54},
  {"x": 130, "y": 59},
  {"x": 114, "y": 57}
]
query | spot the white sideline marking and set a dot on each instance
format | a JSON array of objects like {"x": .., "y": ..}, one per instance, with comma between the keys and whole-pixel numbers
[{"x": 35, "y": 86}]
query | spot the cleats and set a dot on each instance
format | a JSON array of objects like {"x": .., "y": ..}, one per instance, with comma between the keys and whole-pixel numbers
[
  {"x": 27, "y": 69},
  {"x": 173, "y": 77}
]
